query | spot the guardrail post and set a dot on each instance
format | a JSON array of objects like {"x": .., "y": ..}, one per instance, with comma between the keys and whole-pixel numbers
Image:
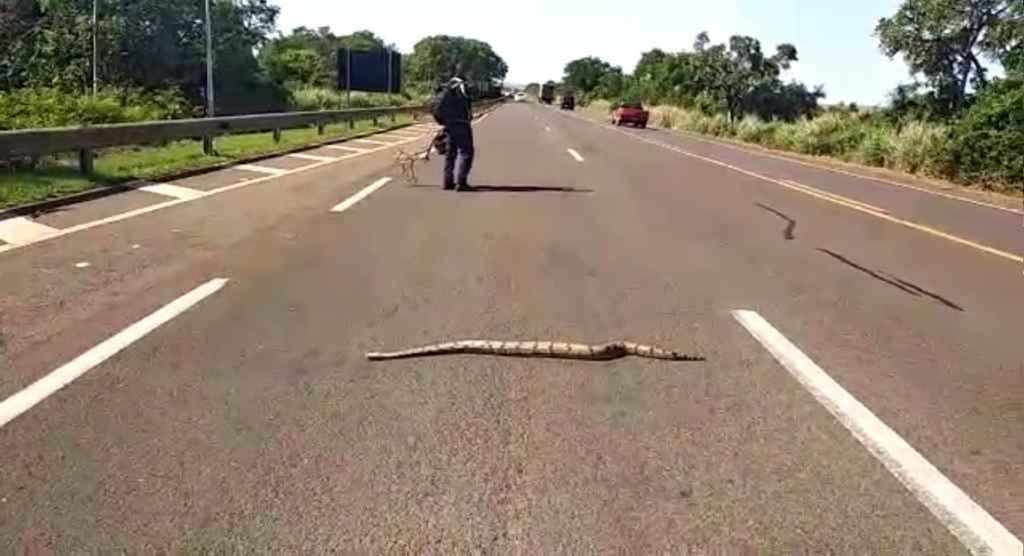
[
  {"x": 351, "y": 123},
  {"x": 393, "y": 120},
  {"x": 208, "y": 146},
  {"x": 85, "y": 161},
  {"x": 375, "y": 120},
  {"x": 277, "y": 135},
  {"x": 320, "y": 128}
]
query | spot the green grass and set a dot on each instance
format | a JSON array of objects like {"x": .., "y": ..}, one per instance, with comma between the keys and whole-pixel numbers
[{"x": 57, "y": 177}]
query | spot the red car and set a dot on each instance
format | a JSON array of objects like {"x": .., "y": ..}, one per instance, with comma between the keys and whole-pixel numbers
[{"x": 630, "y": 112}]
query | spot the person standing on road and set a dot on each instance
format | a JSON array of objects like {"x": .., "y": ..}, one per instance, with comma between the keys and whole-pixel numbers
[{"x": 452, "y": 109}]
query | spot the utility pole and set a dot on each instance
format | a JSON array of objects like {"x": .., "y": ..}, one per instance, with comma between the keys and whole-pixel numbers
[
  {"x": 210, "y": 107},
  {"x": 95, "y": 47},
  {"x": 209, "y": 63}
]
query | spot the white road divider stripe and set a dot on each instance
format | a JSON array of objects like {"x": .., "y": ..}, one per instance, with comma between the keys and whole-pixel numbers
[
  {"x": 21, "y": 230},
  {"x": 575, "y": 155},
  {"x": 975, "y": 528},
  {"x": 313, "y": 157},
  {"x": 364, "y": 193},
  {"x": 41, "y": 389},
  {"x": 171, "y": 190},
  {"x": 261, "y": 169}
]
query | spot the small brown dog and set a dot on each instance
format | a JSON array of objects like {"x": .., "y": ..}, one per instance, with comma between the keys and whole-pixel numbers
[{"x": 407, "y": 161}]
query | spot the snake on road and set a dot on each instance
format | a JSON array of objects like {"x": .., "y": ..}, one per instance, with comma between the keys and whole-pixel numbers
[{"x": 564, "y": 350}]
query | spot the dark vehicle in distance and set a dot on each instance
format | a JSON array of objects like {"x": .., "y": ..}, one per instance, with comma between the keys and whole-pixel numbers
[
  {"x": 630, "y": 113},
  {"x": 547, "y": 93},
  {"x": 568, "y": 102}
]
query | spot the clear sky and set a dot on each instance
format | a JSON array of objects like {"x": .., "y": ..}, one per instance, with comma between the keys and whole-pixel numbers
[{"x": 834, "y": 38}]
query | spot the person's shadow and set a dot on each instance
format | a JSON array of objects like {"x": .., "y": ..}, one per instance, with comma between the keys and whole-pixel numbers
[{"x": 516, "y": 189}]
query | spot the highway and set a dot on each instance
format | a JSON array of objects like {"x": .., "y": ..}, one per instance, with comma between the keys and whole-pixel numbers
[{"x": 862, "y": 390}]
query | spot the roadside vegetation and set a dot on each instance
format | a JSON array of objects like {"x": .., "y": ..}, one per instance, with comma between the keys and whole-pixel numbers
[{"x": 955, "y": 122}]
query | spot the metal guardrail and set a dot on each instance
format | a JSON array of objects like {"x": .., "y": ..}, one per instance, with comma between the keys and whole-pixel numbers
[{"x": 86, "y": 139}]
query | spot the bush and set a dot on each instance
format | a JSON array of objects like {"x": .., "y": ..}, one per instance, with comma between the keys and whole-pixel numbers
[
  {"x": 320, "y": 98},
  {"x": 877, "y": 148},
  {"x": 922, "y": 146},
  {"x": 755, "y": 130},
  {"x": 987, "y": 143},
  {"x": 51, "y": 107},
  {"x": 832, "y": 133}
]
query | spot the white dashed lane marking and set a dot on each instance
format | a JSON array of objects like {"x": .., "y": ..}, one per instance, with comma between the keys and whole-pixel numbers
[
  {"x": 176, "y": 191},
  {"x": 364, "y": 193},
  {"x": 43, "y": 388},
  {"x": 975, "y": 528},
  {"x": 21, "y": 230},
  {"x": 575, "y": 155}
]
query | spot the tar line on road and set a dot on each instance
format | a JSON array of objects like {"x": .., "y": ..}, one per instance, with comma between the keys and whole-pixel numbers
[
  {"x": 43, "y": 388},
  {"x": 976, "y": 529}
]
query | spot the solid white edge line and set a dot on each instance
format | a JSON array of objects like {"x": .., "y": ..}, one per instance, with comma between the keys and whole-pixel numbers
[
  {"x": 575, "y": 155},
  {"x": 852, "y": 174},
  {"x": 362, "y": 194},
  {"x": 859, "y": 207},
  {"x": 41, "y": 389},
  {"x": 171, "y": 190},
  {"x": 975, "y": 528}
]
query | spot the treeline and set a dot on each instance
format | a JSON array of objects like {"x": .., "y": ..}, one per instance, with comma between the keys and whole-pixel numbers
[
  {"x": 736, "y": 78},
  {"x": 151, "y": 61},
  {"x": 955, "y": 121},
  {"x": 305, "y": 63}
]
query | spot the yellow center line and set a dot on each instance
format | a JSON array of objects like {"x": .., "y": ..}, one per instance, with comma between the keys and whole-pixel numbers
[
  {"x": 837, "y": 197},
  {"x": 833, "y": 198}
]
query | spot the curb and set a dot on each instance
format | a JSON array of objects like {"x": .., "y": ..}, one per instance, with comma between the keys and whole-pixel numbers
[{"x": 102, "y": 191}]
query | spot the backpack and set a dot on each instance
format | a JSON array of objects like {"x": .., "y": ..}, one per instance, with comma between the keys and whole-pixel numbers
[{"x": 448, "y": 105}]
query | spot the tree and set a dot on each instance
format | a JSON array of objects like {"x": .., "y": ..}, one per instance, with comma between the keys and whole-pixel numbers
[
  {"x": 309, "y": 57},
  {"x": 611, "y": 85},
  {"x": 732, "y": 74},
  {"x": 584, "y": 74},
  {"x": 144, "y": 43},
  {"x": 988, "y": 140},
  {"x": 946, "y": 40},
  {"x": 297, "y": 66},
  {"x": 433, "y": 59}
]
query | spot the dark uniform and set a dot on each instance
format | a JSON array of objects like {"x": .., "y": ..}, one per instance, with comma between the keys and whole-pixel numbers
[{"x": 458, "y": 126}]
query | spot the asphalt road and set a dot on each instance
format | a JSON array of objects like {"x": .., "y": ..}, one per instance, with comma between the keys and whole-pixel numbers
[{"x": 251, "y": 421}]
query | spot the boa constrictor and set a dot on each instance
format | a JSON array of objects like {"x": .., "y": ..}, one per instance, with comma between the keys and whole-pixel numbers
[{"x": 594, "y": 352}]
